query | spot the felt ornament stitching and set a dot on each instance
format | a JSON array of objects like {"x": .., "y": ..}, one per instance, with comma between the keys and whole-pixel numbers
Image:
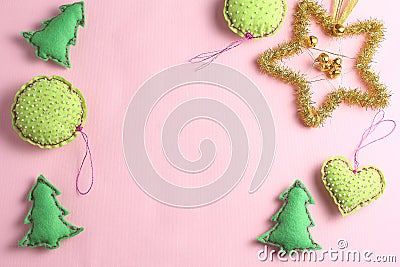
[
  {"x": 349, "y": 190},
  {"x": 376, "y": 95},
  {"x": 49, "y": 112},
  {"x": 257, "y": 18},
  {"x": 249, "y": 19},
  {"x": 293, "y": 221},
  {"x": 352, "y": 188},
  {"x": 58, "y": 34},
  {"x": 47, "y": 218}
]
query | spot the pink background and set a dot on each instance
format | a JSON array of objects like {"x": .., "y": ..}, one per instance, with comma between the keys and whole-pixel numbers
[{"x": 123, "y": 44}]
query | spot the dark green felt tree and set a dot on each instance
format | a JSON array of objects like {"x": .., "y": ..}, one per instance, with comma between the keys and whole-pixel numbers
[
  {"x": 47, "y": 218},
  {"x": 293, "y": 221},
  {"x": 58, "y": 34}
]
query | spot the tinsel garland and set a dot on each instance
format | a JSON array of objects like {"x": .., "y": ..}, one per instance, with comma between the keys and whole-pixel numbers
[{"x": 376, "y": 95}]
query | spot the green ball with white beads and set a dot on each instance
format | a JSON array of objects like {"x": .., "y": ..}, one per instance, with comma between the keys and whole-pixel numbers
[
  {"x": 48, "y": 112},
  {"x": 255, "y": 18}
]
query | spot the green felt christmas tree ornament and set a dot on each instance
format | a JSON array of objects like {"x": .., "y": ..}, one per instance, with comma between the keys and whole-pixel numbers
[
  {"x": 293, "y": 222},
  {"x": 48, "y": 112},
  {"x": 58, "y": 34},
  {"x": 254, "y": 18},
  {"x": 46, "y": 217}
]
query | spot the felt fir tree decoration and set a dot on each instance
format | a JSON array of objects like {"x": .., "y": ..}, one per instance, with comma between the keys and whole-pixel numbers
[
  {"x": 47, "y": 218},
  {"x": 291, "y": 231},
  {"x": 58, "y": 33}
]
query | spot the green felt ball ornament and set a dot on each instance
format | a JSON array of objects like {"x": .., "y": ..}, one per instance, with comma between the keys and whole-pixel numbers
[
  {"x": 48, "y": 112},
  {"x": 254, "y": 18},
  {"x": 250, "y": 19}
]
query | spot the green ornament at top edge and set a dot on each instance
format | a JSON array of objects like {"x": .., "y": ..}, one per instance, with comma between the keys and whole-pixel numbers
[{"x": 255, "y": 19}]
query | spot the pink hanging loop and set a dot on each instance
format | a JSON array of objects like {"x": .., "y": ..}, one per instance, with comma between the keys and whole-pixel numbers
[
  {"x": 368, "y": 132},
  {"x": 208, "y": 57},
  {"x": 86, "y": 139}
]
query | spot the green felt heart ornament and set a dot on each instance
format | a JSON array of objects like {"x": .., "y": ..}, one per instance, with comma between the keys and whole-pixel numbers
[
  {"x": 48, "y": 112},
  {"x": 350, "y": 189},
  {"x": 255, "y": 18}
]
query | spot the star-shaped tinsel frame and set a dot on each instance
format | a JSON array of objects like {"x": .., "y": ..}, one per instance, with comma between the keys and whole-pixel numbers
[{"x": 376, "y": 95}]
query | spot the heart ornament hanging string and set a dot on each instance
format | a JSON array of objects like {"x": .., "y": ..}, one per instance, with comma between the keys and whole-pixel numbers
[{"x": 352, "y": 187}]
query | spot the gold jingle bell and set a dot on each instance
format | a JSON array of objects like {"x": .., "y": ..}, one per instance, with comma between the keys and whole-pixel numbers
[
  {"x": 323, "y": 58},
  {"x": 325, "y": 66},
  {"x": 338, "y": 29},
  {"x": 334, "y": 73},
  {"x": 312, "y": 41},
  {"x": 337, "y": 62}
]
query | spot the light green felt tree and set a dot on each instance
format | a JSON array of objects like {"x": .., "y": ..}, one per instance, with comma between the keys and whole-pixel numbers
[
  {"x": 293, "y": 220},
  {"x": 47, "y": 218},
  {"x": 58, "y": 33}
]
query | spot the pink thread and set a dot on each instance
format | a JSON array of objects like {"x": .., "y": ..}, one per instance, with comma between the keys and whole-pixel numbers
[
  {"x": 209, "y": 57},
  {"x": 86, "y": 139},
  {"x": 369, "y": 131}
]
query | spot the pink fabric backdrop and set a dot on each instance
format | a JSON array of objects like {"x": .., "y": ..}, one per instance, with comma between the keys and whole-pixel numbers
[{"x": 123, "y": 44}]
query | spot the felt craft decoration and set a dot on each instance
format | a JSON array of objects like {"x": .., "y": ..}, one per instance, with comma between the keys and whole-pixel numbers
[
  {"x": 47, "y": 218},
  {"x": 293, "y": 221},
  {"x": 48, "y": 112},
  {"x": 270, "y": 62},
  {"x": 350, "y": 187},
  {"x": 257, "y": 19},
  {"x": 58, "y": 33},
  {"x": 249, "y": 19},
  {"x": 351, "y": 190}
]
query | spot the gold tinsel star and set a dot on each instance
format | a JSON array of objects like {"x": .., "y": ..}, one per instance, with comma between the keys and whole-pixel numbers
[{"x": 376, "y": 95}]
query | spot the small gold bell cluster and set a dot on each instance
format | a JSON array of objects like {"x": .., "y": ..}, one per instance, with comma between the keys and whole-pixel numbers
[{"x": 332, "y": 68}]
